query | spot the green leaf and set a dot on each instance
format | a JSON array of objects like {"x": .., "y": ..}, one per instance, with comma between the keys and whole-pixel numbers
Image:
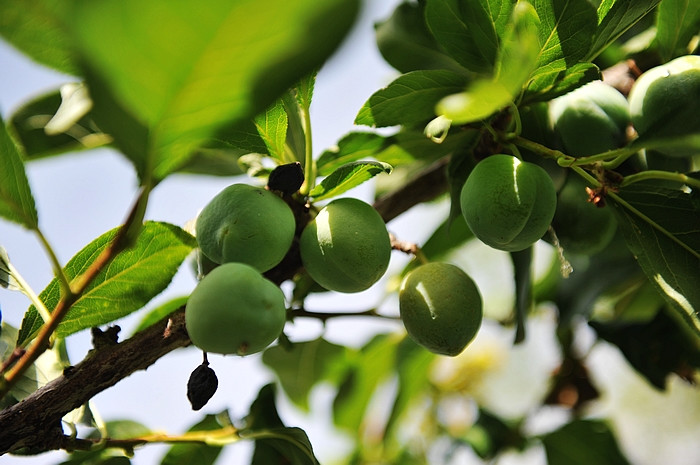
[
  {"x": 545, "y": 86},
  {"x": 234, "y": 58},
  {"x": 201, "y": 454},
  {"x": 36, "y": 28},
  {"x": 612, "y": 271},
  {"x": 303, "y": 365},
  {"x": 348, "y": 176},
  {"x": 522, "y": 267},
  {"x": 272, "y": 127},
  {"x": 131, "y": 280},
  {"x": 16, "y": 200},
  {"x": 372, "y": 365},
  {"x": 160, "y": 312},
  {"x": 614, "y": 18},
  {"x": 583, "y": 442},
  {"x": 283, "y": 446},
  {"x": 215, "y": 162},
  {"x": 655, "y": 348},
  {"x": 242, "y": 136},
  {"x": 48, "y": 367},
  {"x": 296, "y": 134},
  {"x": 412, "y": 365},
  {"x": 304, "y": 91},
  {"x": 466, "y": 30},
  {"x": 662, "y": 229},
  {"x": 352, "y": 147},
  {"x": 461, "y": 164},
  {"x": 406, "y": 43},
  {"x": 565, "y": 33},
  {"x": 482, "y": 98},
  {"x": 410, "y": 99},
  {"x": 677, "y": 21},
  {"x": 520, "y": 47},
  {"x": 275, "y": 443},
  {"x": 28, "y": 122}
]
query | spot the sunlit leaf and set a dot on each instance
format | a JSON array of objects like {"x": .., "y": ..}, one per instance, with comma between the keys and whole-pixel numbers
[
  {"x": 614, "y": 18},
  {"x": 272, "y": 127},
  {"x": 204, "y": 68},
  {"x": 519, "y": 50},
  {"x": 565, "y": 33},
  {"x": 546, "y": 86},
  {"x": 410, "y": 99},
  {"x": 348, "y": 176},
  {"x": 662, "y": 229},
  {"x": 677, "y": 21},
  {"x": 133, "y": 278},
  {"x": 16, "y": 200},
  {"x": 483, "y": 98},
  {"x": 352, "y": 147}
]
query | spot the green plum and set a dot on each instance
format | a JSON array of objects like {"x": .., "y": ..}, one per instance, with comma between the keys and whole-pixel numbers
[
  {"x": 591, "y": 119},
  {"x": 664, "y": 103},
  {"x": 440, "y": 307},
  {"x": 246, "y": 224},
  {"x": 508, "y": 204},
  {"x": 346, "y": 247},
  {"x": 235, "y": 310}
]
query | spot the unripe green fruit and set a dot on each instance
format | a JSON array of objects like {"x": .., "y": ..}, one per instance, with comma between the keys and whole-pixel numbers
[
  {"x": 664, "y": 102},
  {"x": 346, "y": 248},
  {"x": 246, "y": 224},
  {"x": 440, "y": 307},
  {"x": 508, "y": 204},
  {"x": 235, "y": 310},
  {"x": 582, "y": 228},
  {"x": 591, "y": 119}
]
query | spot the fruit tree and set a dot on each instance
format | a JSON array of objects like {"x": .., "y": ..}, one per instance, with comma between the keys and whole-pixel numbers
[{"x": 515, "y": 211}]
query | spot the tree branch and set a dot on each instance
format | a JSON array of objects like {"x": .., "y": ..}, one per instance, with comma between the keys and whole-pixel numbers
[
  {"x": 425, "y": 186},
  {"x": 34, "y": 424}
]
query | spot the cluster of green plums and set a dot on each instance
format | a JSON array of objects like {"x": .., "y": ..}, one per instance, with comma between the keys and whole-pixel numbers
[
  {"x": 507, "y": 202},
  {"x": 245, "y": 231}
]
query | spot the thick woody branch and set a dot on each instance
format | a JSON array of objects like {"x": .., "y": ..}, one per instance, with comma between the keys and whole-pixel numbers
[{"x": 35, "y": 423}]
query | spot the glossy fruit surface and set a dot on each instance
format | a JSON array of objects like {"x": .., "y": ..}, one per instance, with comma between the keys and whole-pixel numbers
[
  {"x": 246, "y": 224},
  {"x": 591, "y": 119},
  {"x": 508, "y": 204},
  {"x": 346, "y": 248},
  {"x": 440, "y": 307},
  {"x": 664, "y": 102},
  {"x": 582, "y": 228},
  {"x": 235, "y": 310}
]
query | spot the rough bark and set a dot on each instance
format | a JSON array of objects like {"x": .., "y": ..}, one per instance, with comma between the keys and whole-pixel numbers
[{"x": 34, "y": 424}]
